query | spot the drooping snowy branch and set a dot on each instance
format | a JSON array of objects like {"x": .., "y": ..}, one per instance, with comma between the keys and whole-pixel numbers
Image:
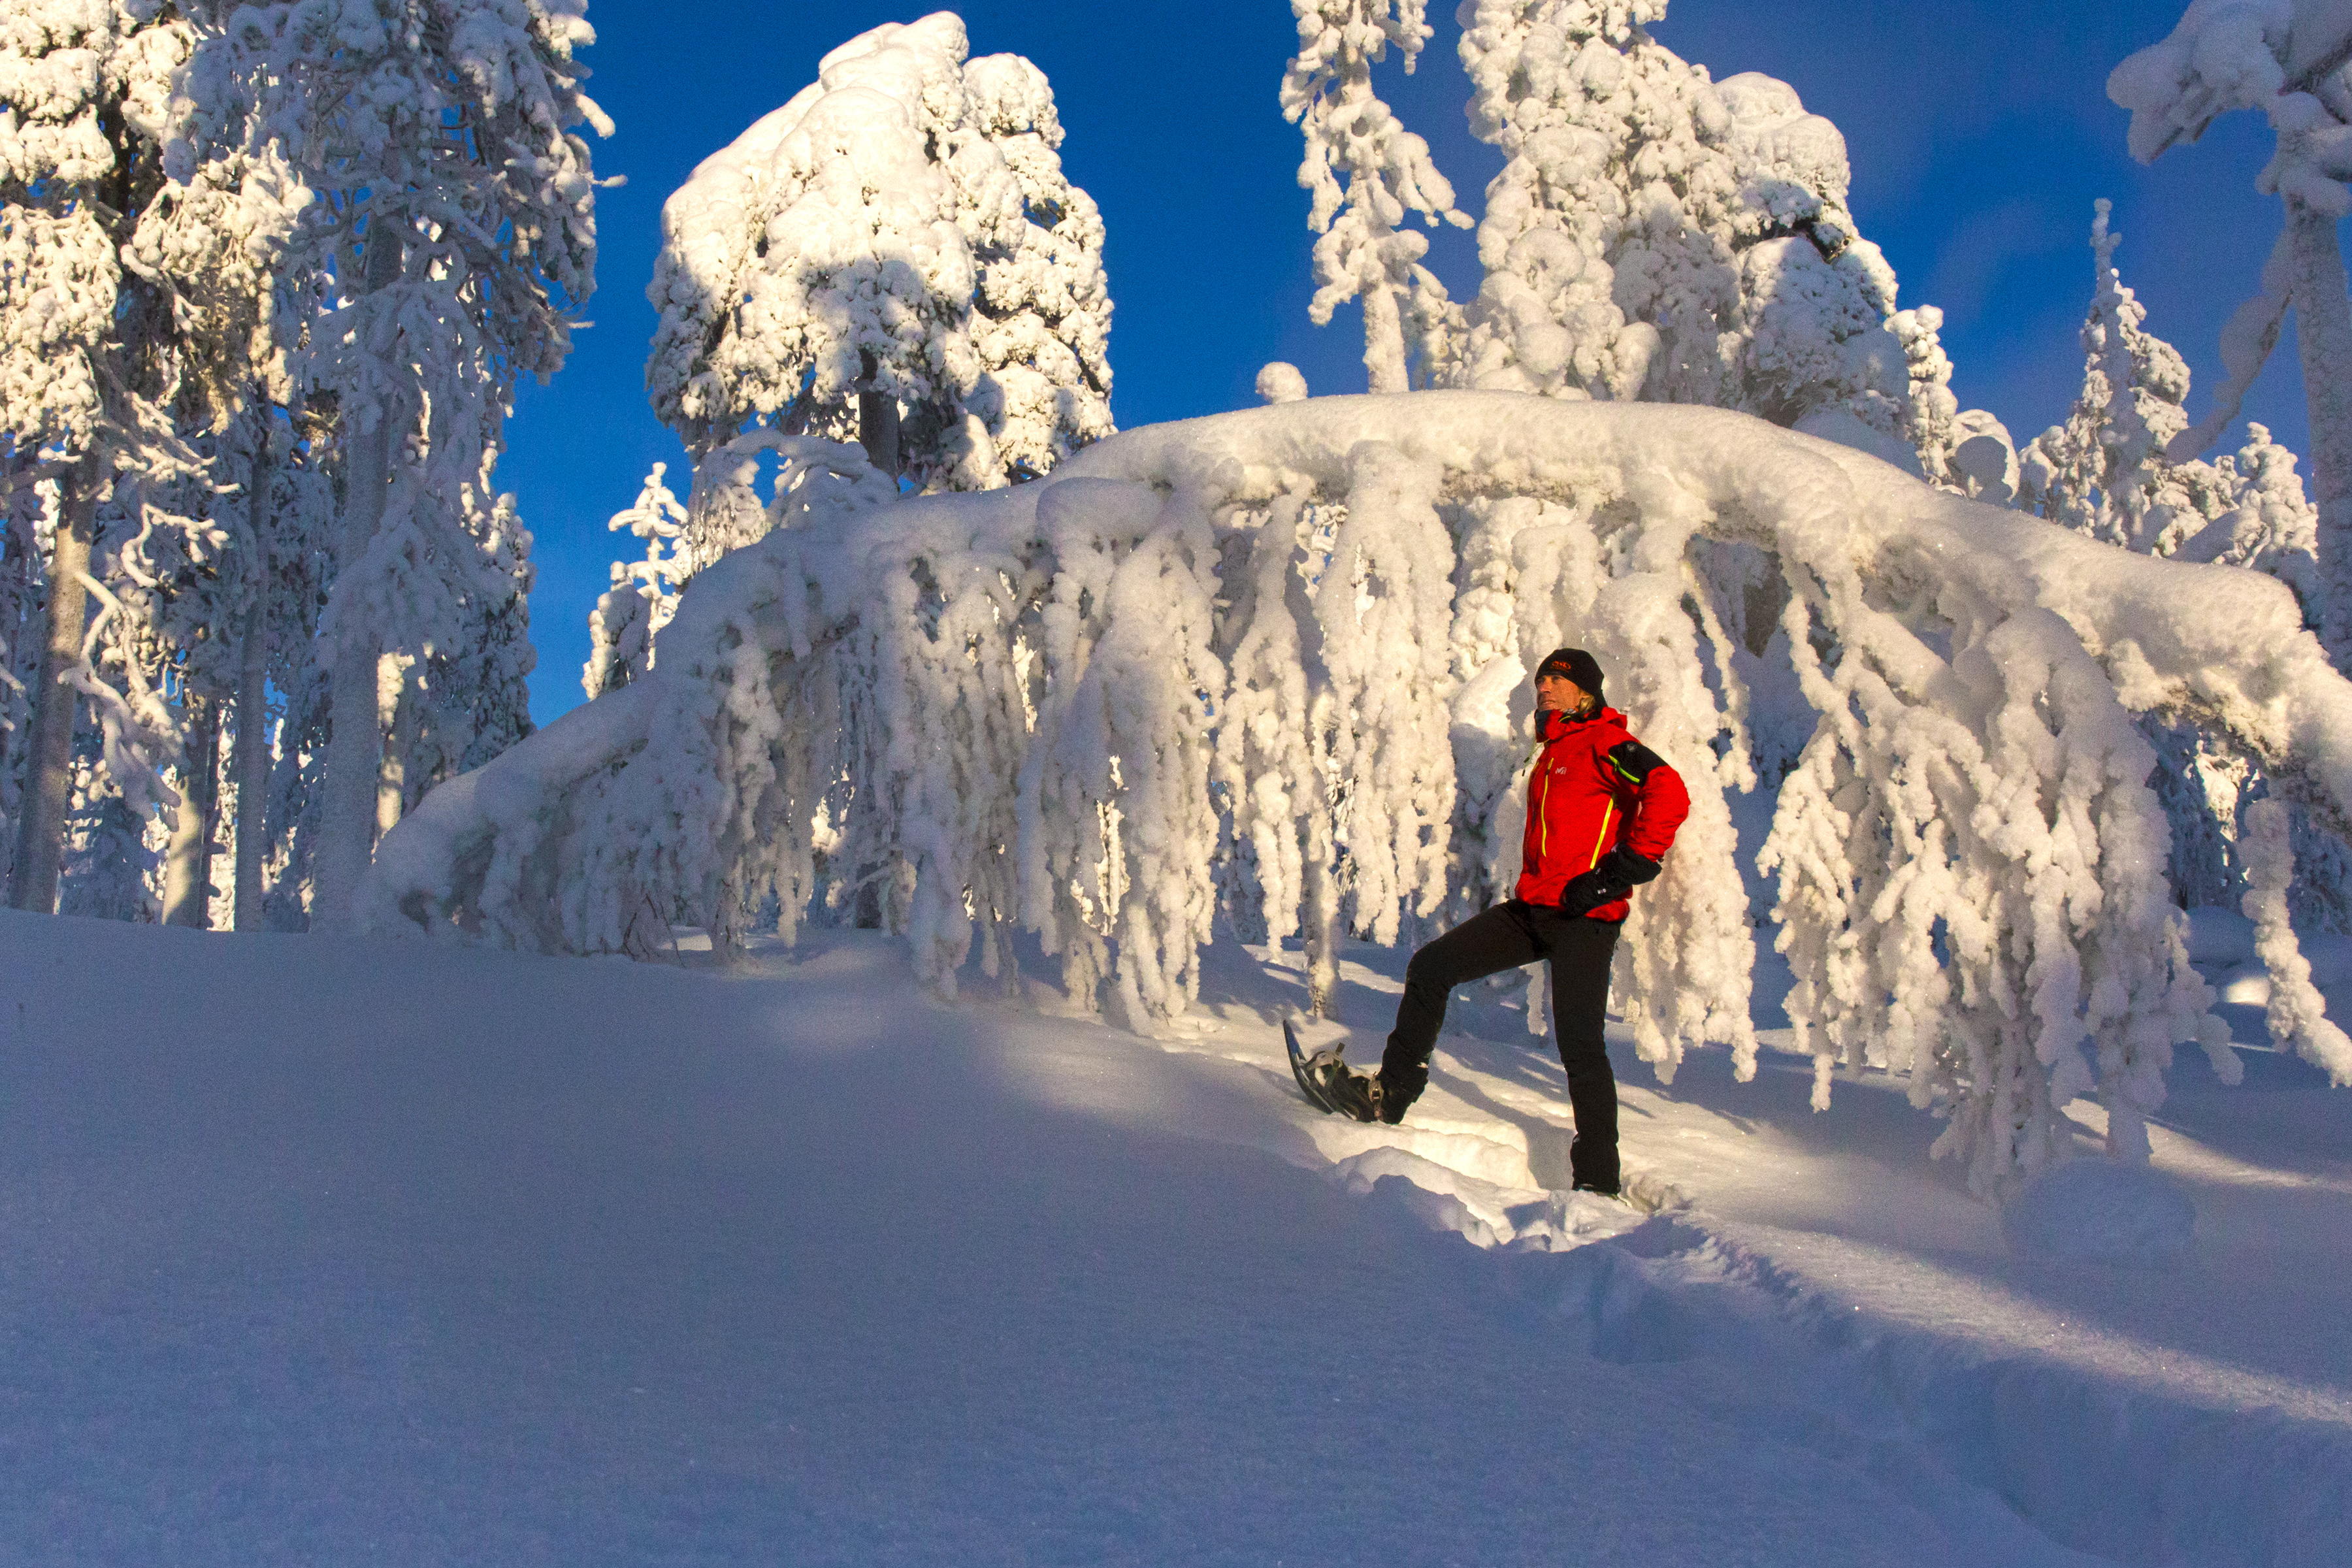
[{"x": 1064, "y": 707}]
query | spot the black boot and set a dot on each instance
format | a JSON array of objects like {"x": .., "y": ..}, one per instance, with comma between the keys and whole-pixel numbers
[{"x": 1592, "y": 1170}]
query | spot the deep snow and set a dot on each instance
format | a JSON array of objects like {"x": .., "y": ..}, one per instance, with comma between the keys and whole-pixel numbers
[{"x": 323, "y": 1251}]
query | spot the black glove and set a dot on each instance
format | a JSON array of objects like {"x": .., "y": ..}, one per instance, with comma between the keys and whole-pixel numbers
[{"x": 1620, "y": 872}]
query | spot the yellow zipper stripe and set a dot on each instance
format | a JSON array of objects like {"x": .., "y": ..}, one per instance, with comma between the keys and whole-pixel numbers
[
  {"x": 1543, "y": 823},
  {"x": 1607, "y": 811}
]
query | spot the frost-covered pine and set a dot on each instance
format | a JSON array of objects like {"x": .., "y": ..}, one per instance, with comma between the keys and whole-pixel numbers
[
  {"x": 644, "y": 595},
  {"x": 113, "y": 862},
  {"x": 1042, "y": 321},
  {"x": 24, "y": 574},
  {"x": 1364, "y": 172},
  {"x": 2287, "y": 60},
  {"x": 892, "y": 258},
  {"x": 469, "y": 699},
  {"x": 2104, "y": 472},
  {"x": 456, "y": 216},
  {"x": 85, "y": 369},
  {"x": 2272, "y": 525},
  {"x": 218, "y": 231},
  {"x": 1657, "y": 236}
]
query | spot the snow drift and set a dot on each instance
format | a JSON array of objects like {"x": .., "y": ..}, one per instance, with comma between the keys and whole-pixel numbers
[{"x": 1272, "y": 662}]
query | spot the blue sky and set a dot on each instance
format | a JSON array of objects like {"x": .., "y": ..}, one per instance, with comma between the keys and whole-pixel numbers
[{"x": 1979, "y": 135}]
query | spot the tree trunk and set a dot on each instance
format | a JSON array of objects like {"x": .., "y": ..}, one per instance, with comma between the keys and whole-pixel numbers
[
  {"x": 1384, "y": 365},
  {"x": 355, "y": 734},
  {"x": 878, "y": 419},
  {"x": 188, "y": 862},
  {"x": 251, "y": 760},
  {"x": 2323, "y": 329},
  {"x": 396, "y": 709},
  {"x": 48, "y": 764}
]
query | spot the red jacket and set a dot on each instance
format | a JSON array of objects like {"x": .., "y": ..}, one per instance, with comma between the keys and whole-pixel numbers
[{"x": 1594, "y": 787}]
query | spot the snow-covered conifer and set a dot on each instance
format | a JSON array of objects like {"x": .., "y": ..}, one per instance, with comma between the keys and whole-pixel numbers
[
  {"x": 2108, "y": 472},
  {"x": 2104, "y": 472},
  {"x": 1984, "y": 460},
  {"x": 455, "y": 214},
  {"x": 1041, "y": 322},
  {"x": 1279, "y": 381},
  {"x": 467, "y": 699},
  {"x": 892, "y": 258},
  {"x": 2290, "y": 60},
  {"x": 1364, "y": 172},
  {"x": 113, "y": 859},
  {"x": 1654, "y": 235},
  {"x": 644, "y": 595},
  {"x": 87, "y": 368}
]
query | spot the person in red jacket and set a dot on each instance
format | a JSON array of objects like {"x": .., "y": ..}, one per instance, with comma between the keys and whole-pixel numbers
[{"x": 1602, "y": 809}]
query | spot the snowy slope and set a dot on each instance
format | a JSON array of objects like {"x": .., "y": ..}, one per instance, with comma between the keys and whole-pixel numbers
[{"x": 315, "y": 1251}]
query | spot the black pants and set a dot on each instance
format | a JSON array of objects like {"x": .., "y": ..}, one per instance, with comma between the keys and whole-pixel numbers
[{"x": 1505, "y": 937}]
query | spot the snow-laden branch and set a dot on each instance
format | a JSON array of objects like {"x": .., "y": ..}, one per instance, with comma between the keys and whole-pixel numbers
[{"x": 1086, "y": 707}]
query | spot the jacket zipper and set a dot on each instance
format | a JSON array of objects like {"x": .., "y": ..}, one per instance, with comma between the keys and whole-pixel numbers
[{"x": 1543, "y": 819}]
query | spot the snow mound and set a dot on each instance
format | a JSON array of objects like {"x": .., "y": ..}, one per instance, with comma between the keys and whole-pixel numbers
[
  {"x": 1484, "y": 1212},
  {"x": 2220, "y": 936},
  {"x": 2101, "y": 1211},
  {"x": 2330, "y": 958}
]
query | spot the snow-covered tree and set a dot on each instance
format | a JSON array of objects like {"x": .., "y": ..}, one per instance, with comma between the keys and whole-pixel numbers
[
  {"x": 892, "y": 258},
  {"x": 644, "y": 595},
  {"x": 218, "y": 230},
  {"x": 454, "y": 212},
  {"x": 1064, "y": 707},
  {"x": 24, "y": 509},
  {"x": 2105, "y": 472},
  {"x": 1364, "y": 172},
  {"x": 467, "y": 699},
  {"x": 1657, "y": 236},
  {"x": 113, "y": 854},
  {"x": 1041, "y": 320},
  {"x": 2291, "y": 60},
  {"x": 287, "y": 501},
  {"x": 87, "y": 369}
]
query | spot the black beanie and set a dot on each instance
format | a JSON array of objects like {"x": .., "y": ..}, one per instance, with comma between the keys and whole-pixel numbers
[{"x": 1576, "y": 665}]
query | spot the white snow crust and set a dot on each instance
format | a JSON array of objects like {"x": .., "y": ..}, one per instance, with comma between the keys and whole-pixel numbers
[
  {"x": 329, "y": 1252},
  {"x": 2101, "y": 1211}
]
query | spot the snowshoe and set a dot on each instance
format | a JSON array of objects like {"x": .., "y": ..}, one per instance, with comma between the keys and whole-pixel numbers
[
  {"x": 1307, "y": 1069},
  {"x": 1327, "y": 1084},
  {"x": 1355, "y": 1094}
]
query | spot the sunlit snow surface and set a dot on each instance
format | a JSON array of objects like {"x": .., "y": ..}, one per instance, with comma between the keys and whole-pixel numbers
[{"x": 315, "y": 1252}]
